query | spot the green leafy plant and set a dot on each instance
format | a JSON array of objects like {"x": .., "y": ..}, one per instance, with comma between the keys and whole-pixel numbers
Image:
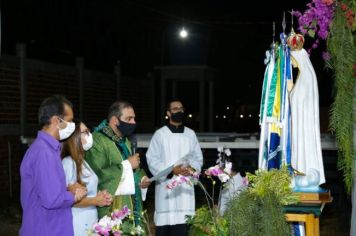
[
  {"x": 259, "y": 209},
  {"x": 275, "y": 181},
  {"x": 202, "y": 223},
  {"x": 341, "y": 45},
  {"x": 339, "y": 30},
  {"x": 207, "y": 219},
  {"x": 250, "y": 214}
]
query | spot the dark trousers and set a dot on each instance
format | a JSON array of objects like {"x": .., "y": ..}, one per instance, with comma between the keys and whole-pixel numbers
[{"x": 172, "y": 230}]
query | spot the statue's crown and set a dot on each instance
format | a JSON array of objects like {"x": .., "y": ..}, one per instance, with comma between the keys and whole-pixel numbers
[{"x": 295, "y": 41}]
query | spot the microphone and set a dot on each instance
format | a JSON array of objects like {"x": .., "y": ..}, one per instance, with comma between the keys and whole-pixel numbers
[
  {"x": 133, "y": 140},
  {"x": 133, "y": 144}
]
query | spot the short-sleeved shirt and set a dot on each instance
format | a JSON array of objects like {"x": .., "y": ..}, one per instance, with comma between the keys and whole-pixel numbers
[{"x": 83, "y": 217}]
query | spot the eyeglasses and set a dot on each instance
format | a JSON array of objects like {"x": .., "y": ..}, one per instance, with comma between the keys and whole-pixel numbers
[
  {"x": 61, "y": 120},
  {"x": 62, "y": 123},
  {"x": 176, "y": 109},
  {"x": 87, "y": 132}
]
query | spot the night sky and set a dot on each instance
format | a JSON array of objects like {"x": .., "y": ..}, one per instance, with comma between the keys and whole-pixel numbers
[{"x": 231, "y": 36}]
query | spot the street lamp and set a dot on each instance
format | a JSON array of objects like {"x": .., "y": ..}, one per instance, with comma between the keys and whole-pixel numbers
[{"x": 183, "y": 33}]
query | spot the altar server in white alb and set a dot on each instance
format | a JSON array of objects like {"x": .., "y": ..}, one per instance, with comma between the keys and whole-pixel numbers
[{"x": 168, "y": 146}]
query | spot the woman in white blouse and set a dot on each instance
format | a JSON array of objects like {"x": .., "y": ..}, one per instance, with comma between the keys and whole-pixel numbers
[{"x": 77, "y": 170}]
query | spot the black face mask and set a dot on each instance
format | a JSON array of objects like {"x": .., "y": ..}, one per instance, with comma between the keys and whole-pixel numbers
[
  {"x": 178, "y": 117},
  {"x": 126, "y": 129}
]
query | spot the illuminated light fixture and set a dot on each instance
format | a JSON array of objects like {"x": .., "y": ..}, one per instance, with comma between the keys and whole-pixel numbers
[
  {"x": 241, "y": 116},
  {"x": 166, "y": 117},
  {"x": 224, "y": 117},
  {"x": 216, "y": 117},
  {"x": 183, "y": 33},
  {"x": 227, "y": 108},
  {"x": 190, "y": 115},
  {"x": 250, "y": 115}
]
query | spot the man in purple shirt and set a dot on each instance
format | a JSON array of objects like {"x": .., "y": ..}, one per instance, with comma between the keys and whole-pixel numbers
[{"x": 45, "y": 198}]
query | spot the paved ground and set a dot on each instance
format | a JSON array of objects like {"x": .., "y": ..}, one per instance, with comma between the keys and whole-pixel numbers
[{"x": 335, "y": 220}]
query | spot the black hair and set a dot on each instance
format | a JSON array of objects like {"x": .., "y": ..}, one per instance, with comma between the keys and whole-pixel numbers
[
  {"x": 168, "y": 106},
  {"x": 117, "y": 107},
  {"x": 64, "y": 100},
  {"x": 51, "y": 106}
]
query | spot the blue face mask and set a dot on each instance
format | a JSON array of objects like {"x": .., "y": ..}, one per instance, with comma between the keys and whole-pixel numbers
[{"x": 126, "y": 129}]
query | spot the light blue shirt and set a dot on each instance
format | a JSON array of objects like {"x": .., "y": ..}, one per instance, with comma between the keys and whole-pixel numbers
[{"x": 83, "y": 217}]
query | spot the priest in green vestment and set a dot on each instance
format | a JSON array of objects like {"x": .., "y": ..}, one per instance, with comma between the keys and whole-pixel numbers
[{"x": 117, "y": 168}]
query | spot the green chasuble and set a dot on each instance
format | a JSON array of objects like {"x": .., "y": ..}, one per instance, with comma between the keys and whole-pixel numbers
[{"x": 105, "y": 158}]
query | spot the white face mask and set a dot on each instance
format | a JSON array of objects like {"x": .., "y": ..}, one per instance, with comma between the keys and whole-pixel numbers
[
  {"x": 89, "y": 143},
  {"x": 67, "y": 131}
]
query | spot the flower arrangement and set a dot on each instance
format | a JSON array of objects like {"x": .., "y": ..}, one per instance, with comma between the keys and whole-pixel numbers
[
  {"x": 121, "y": 222},
  {"x": 259, "y": 203},
  {"x": 349, "y": 14},
  {"x": 207, "y": 219},
  {"x": 315, "y": 21},
  {"x": 223, "y": 168},
  {"x": 180, "y": 179}
]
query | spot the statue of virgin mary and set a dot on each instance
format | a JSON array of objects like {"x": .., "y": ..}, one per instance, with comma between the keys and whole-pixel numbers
[{"x": 304, "y": 102}]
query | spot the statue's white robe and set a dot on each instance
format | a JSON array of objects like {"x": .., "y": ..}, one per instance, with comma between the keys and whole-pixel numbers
[{"x": 304, "y": 98}]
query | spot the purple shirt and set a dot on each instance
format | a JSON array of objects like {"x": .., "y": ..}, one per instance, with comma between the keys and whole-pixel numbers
[{"x": 45, "y": 201}]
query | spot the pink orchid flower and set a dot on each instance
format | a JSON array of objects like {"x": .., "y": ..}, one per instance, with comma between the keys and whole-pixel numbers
[
  {"x": 121, "y": 214},
  {"x": 214, "y": 171}
]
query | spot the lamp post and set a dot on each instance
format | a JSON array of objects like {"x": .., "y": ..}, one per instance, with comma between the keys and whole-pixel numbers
[{"x": 183, "y": 33}]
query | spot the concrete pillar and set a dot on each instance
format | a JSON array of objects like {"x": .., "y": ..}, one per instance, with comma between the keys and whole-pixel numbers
[
  {"x": 79, "y": 63},
  {"x": 21, "y": 53},
  {"x": 163, "y": 100},
  {"x": 211, "y": 106},
  {"x": 201, "y": 105}
]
